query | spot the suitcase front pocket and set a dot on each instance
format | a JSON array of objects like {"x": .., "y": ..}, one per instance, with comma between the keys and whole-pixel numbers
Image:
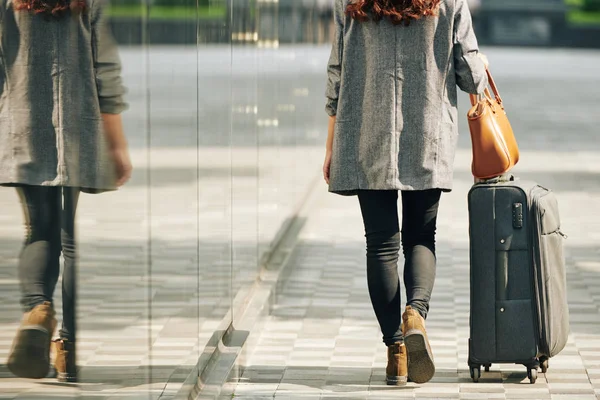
[
  {"x": 515, "y": 331},
  {"x": 515, "y": 323}
]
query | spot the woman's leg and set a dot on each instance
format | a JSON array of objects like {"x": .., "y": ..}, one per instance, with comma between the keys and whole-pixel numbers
[
  {"x": 419, "y": 220},
  {"x": 65, "y": 347},
  {"x": 380, "y": 215},
  {"x": 39, "y": 266},
  {"x": 38, "y": 273},
  {"x": 419, "y": 217},
  {"x": 69, "y": 282}
]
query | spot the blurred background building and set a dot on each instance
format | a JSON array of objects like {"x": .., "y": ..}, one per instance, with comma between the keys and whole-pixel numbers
[{"x": 572, "y": 23}]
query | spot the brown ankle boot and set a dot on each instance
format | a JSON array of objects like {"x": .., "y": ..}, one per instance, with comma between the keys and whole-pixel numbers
[
  {"x": 30, "y": 354},
  {"x": 396, "y": 371},
  {"x": 420, "y": 358},
  {"x": 65, "y": 362}
]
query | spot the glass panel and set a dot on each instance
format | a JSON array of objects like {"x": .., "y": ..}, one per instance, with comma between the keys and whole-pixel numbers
[
  {"x": 173, "y": 172},
  {"x": 291, "y": 87},
  {"x": 225, "y": 142},
  {"x": 215, "y": 175},
  {"x": 111, "y": 291},
  {"x": 244, "y": 146},
  {"x": 113, "y": 311}
]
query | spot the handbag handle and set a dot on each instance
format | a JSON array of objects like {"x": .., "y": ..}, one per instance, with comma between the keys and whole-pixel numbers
[{"x": 474, "y": 98}]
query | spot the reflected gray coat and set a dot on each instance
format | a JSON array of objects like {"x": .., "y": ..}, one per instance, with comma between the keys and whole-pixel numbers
[
  {"x": 56, "y": 79},
  {"x": 394, "y": 91}
]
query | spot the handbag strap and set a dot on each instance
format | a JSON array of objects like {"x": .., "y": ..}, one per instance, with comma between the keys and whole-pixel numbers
[{"x": 474, "y": 98}]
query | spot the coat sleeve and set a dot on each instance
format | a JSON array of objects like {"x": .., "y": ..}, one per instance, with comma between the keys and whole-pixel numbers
[
  {"x": 107, "y": 64},
  {"x": 334, "y": 66},
  {"x": 471, "y": 76}
]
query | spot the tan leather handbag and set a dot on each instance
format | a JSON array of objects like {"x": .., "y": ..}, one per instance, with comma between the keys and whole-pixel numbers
[{"x": 495, "y": 149}]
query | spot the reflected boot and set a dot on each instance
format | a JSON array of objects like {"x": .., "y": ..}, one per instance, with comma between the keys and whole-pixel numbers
[
  {"x": 396, "y": 371},
  {"x": 65, "y": 362},
  {"x": 420, "y": 358},
  {"x": 30, "y": 354}
]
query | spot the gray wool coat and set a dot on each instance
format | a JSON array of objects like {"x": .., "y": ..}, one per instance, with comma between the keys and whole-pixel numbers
[
  {"x": 394, "y": 92},
  {"x": 56, "y": 79}
]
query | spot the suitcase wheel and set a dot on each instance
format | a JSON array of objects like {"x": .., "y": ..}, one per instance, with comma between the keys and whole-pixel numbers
[
  {"x": 545, "y": 364},
  {"x": 475, "y": 373},
  {"x": 532, "y": 375},
  {"x": 487, "y": 367}
]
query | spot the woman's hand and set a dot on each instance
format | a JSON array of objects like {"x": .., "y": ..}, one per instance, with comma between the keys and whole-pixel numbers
[
  {"x": 327, "y": 166},
  {"x": 329, "y": 149},
  {"x": 113, "y": 130},
  {"x": 122, "y": 161}
]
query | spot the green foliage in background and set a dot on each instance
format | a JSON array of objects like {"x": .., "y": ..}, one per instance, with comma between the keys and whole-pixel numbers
[
  {"x": 591, "y": 5},
  {"x": 116, "y": 3},
  {"x": 168, "y": 9},
  {"x": 584, "y": 12},
  {"x": 162, "y": 12},
  {"x": 181, "y": 3},
  {"x": 166, "y": 3}
]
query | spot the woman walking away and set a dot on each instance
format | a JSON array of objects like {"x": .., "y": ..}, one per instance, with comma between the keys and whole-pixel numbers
[
  {"x": 392, "y": 101},
  {"x": 60, "y": 133}
]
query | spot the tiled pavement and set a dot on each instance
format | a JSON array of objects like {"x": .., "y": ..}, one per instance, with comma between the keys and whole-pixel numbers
[
  {"x": 143, "y": 326},
  {"x": 321, "y": 340}
]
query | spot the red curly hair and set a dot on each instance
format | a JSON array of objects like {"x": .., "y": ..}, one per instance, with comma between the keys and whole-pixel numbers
[
  {"x": 54, "y": 8},
  {"x": 397, "y": 11}
]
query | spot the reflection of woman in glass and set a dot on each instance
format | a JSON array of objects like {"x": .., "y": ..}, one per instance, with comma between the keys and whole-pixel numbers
[
  {"x": 392, "y": 100},
  {"x": 60, "y": 133}
]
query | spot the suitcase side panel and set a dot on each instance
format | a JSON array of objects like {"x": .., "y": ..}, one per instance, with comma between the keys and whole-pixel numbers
[{"x": 550, "y": 272}]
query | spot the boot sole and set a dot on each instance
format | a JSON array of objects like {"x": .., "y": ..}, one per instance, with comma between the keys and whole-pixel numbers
[
  {"x": 421, "y": 368},
  {"x": 30, "y": 357},
  {"x": 67, "y": 378},
  {"x": 396, "y": 380}
]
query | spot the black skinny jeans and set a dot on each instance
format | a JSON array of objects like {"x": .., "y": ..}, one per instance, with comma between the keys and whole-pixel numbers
[
  {"x": 419, "y": 217},
  {"x": 50, "y": 229}
]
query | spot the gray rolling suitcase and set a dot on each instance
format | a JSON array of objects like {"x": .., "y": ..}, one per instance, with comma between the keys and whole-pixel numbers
[{"x": 519, "y": 311}]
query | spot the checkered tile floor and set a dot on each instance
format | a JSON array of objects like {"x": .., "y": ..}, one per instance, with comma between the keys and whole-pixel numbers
[
  {"x": 143, "y": 326},
  {"x": 321, "y": 339}
]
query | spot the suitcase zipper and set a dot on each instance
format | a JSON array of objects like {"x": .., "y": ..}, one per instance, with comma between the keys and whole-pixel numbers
[{"x": 559, "y": 232}]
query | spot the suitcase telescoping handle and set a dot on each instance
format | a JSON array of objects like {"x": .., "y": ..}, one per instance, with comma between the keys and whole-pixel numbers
[{"x": 497, "y": 179}]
